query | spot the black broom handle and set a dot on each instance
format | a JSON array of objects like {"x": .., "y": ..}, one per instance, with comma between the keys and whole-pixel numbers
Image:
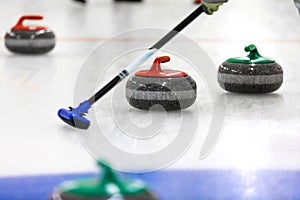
[
  {"x": 179, "y": 28},
  {"x": 157, "y": 45}
]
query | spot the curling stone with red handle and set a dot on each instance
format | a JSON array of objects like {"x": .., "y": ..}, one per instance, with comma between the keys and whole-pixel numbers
[
  {"x": 172, "y": 89},
  {"x": 29, "y": 39}
]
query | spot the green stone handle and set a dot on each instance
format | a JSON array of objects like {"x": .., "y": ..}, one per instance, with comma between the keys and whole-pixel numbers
[
  {"x": 253, "y": 58},
  {"x": 254, "y": 54},
  {"x": 107, "y": 185}
]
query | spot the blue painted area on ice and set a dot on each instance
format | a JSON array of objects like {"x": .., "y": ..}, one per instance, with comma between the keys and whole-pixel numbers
[{"x": 176, "y": 184}]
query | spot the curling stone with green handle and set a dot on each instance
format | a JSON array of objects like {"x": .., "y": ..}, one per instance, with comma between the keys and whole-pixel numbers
[
  {"x": 250, "y": 74},
  {"x": 108, "y": 187}
]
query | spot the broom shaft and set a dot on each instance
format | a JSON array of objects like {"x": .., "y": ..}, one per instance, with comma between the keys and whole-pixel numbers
[
  {"x": 146, "y": 55},
  {"x": 179, "y": 28}
]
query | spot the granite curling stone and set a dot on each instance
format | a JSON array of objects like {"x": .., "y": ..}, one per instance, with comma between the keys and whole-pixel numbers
[
  {"x": 250, "y": 74},
  {"x": 171, "y": 89},
  {"x": 29, "y": 39},
  {"x": 109, "y": 186}
]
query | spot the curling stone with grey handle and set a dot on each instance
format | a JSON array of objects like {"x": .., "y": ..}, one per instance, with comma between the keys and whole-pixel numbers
[
  {"x": 29, "y": 39},
  {"x": 172, "y": 89},
  {"x": 250, "y": 74}
]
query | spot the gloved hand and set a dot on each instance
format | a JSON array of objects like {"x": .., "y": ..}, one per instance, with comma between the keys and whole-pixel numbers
[{"x": 212, "y": 5}]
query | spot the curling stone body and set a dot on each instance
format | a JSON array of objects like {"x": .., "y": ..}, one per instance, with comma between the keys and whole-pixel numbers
[
  {"x": 109, "y": 186},
  {"x": 29, "y": 39},
  {"x": 173, "y": 90},
  {"x": 251, "y": 74}
]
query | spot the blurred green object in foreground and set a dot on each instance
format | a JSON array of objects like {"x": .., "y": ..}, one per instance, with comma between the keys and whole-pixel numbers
[{"x": 108, "y": 185}]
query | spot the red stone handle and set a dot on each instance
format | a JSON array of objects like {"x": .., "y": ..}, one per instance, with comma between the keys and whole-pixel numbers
[
  {"x": 156, "y": 69},
  {"x": 162, "y": 59},
  {"x": 20, "y": 26}
]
